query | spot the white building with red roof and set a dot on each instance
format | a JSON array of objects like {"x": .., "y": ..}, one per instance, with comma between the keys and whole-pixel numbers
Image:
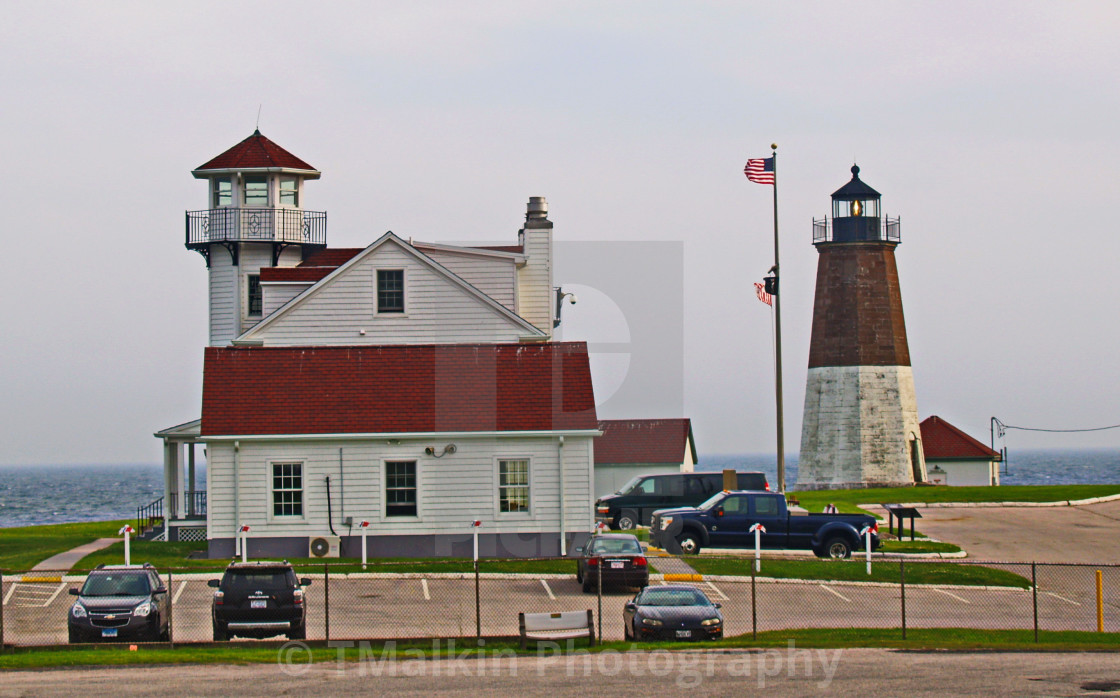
[
  {"x": 955, "y": 458},
  {"x": 412, "y": 385},
  {"x": 632, "y": 447}
]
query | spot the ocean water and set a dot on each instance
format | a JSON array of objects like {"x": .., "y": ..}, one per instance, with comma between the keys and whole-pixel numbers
[
  {"x": 31, "y": 495},
  {"x": 47, "y": 494},
  {"x": 1036, "y": 467}
]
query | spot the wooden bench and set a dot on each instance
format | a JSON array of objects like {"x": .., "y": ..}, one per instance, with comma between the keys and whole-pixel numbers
[{"x": 556, "y": 626}]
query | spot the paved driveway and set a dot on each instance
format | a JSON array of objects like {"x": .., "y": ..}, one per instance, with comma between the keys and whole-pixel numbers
[{"x": 1079, "y": 534}]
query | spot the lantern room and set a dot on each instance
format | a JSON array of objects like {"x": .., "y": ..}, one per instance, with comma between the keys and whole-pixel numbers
[{"x": 856, "y": 216}]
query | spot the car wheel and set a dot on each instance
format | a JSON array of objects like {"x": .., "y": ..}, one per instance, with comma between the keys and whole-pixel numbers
[
  {"x": 165, "y": 636},
  {"x": 579, "y": 575},
  {"x": 586, "y": 585},
  {"x": 690, "y": 543},
  {"x": 298, "y": 633},
  {"x": 626, "y": 634},
  {"x": 75, "y": 637},
  {"x": 628, "y": 520},
  {"x": 838, "y": 548},
  {"x": 220, "y": 633}
]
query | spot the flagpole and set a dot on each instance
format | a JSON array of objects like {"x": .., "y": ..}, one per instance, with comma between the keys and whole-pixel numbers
[{"x": 778, "y": 337}]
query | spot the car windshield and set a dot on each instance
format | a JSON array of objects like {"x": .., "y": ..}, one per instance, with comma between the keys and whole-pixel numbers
[
  {"x": 672, "y": 597},
  {"x": 616, "y": 546},
  {"x": 625, "y": 489},
  {"x": 258, "y": 579},
  {"x": 713, "y": 500},
  {"x": 117, "y": 584}
]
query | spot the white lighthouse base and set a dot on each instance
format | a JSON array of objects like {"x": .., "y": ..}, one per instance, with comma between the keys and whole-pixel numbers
[{"x": 860, "y": 429}]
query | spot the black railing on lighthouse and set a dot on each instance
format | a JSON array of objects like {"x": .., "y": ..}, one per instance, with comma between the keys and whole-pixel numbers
[{"x": 287, "y": 225}]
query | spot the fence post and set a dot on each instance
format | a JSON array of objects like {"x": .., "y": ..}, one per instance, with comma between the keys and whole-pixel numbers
[
  {"x": 902, "y": 584},
  {"x": 1100, "y": 602},
  {"x": 171, "y": 609},
  {"x": 327, "y": 600},
  {"x": 754, "y": 608},
  {"x": 1, "y": 614},
  {"x": 599, "y": 593},
  {"x": 477, "y": 606},
  {"x": 1034, "y": 593}
]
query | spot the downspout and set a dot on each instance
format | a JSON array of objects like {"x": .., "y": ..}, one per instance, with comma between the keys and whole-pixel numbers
[
  {"x": 563, "y": 536},
  {"x": 341, "y": 489},
  {"x": 330, "y": 515},
  {"x": 236, "y": 498}
]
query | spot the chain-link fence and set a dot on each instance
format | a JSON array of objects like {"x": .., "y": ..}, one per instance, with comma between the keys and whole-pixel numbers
[{"x": 459, "y": 599}]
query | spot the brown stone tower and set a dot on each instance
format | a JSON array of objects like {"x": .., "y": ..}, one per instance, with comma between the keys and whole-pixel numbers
[{"x": 860, "y": 426}]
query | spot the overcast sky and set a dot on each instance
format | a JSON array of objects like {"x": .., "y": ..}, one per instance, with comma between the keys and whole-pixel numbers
[{"x": 990, "y": 128}]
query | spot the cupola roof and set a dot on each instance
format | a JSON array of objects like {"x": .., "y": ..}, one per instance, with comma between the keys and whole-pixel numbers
[
  {"x": 256, "y": 153},
  {"x": 855, "y": 189}
]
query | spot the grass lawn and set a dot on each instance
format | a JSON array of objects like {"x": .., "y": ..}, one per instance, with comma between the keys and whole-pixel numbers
[
  {"x": 23, "y": 548},
  {"x": 917, "y": 546},
  {"x": 855, "y": 570},
  {"x": 267, "y": 653}
]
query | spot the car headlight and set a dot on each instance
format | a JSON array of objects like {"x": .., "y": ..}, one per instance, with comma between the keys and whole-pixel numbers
[
  {"x": 143, "y": 609},
  {"x": 665, "y": 522},
  {"x": 650, "y": 621},
  {"x": 711, "y": 621},
  {"x": 78, "y": 611}
]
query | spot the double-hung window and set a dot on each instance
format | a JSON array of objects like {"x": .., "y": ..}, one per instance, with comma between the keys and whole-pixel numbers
[
  {"x": 256, "y": 296},
  {"x": 287, "y": 489},
  {"x": 222, "y": 192},
  {"x": 256, "y": 190},
  {"x": 390, "y": 290},
  {"x": 289, "y": 192},
  {"x": 513, "y": 486},
  {"x": 400, "y": 488}
]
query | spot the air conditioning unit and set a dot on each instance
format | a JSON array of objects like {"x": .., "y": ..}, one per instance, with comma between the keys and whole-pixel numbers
[{"x": 323, "y": 546}]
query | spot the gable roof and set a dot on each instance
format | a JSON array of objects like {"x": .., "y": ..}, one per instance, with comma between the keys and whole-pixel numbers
[
  {"x": 397, "y": 389},
  {"x": 943, "y": 441},
  {"x": 391, "y": 238},
  {"x": 253, "y": 153},
  {"x": 644, "y": 441}
]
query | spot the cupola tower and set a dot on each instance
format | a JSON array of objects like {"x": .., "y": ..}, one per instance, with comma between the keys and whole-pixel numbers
[
  {"x": 860, "y": 426},
  {"x": 254, "y": 219}
]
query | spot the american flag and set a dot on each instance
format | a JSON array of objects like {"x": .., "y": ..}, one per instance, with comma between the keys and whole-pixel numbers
[
  {"x": 760, "y": 291},
  {"x": 760, "y": 170}
]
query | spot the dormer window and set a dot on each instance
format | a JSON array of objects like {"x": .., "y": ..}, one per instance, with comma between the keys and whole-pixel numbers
[
  {"x": 289, "y": 192},
  {"x": 256, "y": 190},
  {"x": 222, "y": 192},
  {"x": 390, "y": 290}
]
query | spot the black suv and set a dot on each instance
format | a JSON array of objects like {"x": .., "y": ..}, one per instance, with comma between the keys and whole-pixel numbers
[
  {"x": 120, "y": 602},
  {"x": 635, "y": 501},
  {"x": 259, "y": 599}
]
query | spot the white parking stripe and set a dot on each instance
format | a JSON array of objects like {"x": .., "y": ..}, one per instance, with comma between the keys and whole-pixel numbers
[
  {"x": 56, "y": 593},
  {"x": 717, "y": 591},
  {"x": 11, "y": 590},
  {"x": 1050, "y": 593},
  {"x": 175, "y": 599},
  {"x": 833, "y": 591},
  {"x": 545, "y": 585},
  {"x": 942, "y": 591},
  {"x": 424, "y": 583}
]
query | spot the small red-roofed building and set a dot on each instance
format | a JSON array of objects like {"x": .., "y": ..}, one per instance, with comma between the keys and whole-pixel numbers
[
  {"x": 955, "y": 458},
  {"x": 632, "y": 447}
]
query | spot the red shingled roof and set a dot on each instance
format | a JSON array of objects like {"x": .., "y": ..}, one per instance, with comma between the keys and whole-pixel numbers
[
  {"x": 643, "y": 441},
  {"x": 331, "y": 257},
  {"x": 398, "y": 388},
  {"x": 253, "y": 152},
  {"x": 314, "y": 268},
  {"x": 943, "y": 441}
]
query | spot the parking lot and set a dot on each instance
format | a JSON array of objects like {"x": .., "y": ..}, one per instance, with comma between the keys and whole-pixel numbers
[{"x": 370, "y": 606}]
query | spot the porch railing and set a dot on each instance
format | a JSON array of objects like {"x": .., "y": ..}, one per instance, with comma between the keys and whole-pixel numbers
[
  {"x": 149, "y": 516},
  {"x": 194, "y": 504}
]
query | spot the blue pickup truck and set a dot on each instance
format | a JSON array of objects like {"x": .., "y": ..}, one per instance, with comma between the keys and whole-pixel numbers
[{"x": 725, "y": 520}]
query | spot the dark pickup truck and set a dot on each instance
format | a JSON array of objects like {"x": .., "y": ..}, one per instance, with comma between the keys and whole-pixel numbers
[{"x": 725, "y": 520}]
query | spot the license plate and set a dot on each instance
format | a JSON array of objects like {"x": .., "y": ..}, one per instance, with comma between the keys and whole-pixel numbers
[
  {"x": 258, "y": 603},
  {"x": 617, "y": 565},
  {"x": 108, "y": 632},
  {"x": 684, "y": 633}
]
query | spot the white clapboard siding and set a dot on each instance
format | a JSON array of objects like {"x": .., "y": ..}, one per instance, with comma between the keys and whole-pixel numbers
[
  {"x": 223, "y": 298},
  {"x": 452, "y": 490},
  {"x": 494, "y": 276},
  {"x": 534, "y": 279},
  {"x": 342, "y": 311},
  {"x": 277, "y": 294}
]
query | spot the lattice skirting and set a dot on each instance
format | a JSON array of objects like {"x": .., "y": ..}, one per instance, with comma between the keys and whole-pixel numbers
[{"x": 191, "y": 533}]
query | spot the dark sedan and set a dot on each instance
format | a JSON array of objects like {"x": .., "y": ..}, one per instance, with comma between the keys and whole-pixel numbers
[
  {"x": 672, "y": 612},
  {"x": 616, "y": 558}
]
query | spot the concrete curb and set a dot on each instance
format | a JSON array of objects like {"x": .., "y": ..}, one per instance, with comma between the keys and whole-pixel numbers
[{"x": 838, "y": 582}]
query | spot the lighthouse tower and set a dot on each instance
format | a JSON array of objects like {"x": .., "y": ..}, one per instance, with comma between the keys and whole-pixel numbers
[
  {"x": 860, "y": 427},
  {"x": 254, "y": 220}
]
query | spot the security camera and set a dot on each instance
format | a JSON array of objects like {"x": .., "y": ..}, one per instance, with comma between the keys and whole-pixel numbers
[
  {"x": 572, "y": 298},
  {"x": 429, "y": 451}
]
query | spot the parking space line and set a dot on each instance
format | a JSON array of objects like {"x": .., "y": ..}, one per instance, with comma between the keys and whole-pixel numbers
[
  {"x": 11, "y": 590},
  {"x": 833, "y": 591},
  {"x": 175, "y": 599},
  {"x": 942, "y": 591},
  {"x": 424, "y": 584},
  {"x": 55, "y": 594},
  {"x": 1050, "y": 593},
  {"x": 717, "y": 591},
  {"x": 546, "y": 588}
]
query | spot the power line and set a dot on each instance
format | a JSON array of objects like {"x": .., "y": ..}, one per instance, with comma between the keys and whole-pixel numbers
[{"x": 1004, "y": 427}]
